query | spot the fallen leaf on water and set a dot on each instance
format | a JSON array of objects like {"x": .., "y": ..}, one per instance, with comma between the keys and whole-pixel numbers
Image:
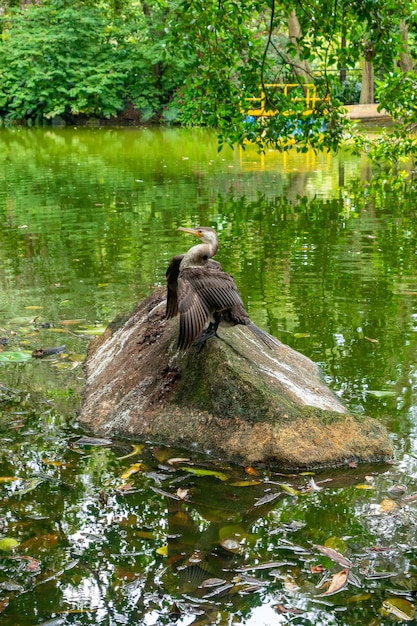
[
  {"x": 8, "y": 479},
  {"x": 317, "y": 569},
  {"x": 371, "y": 340},
  {"x": 397, "y": 491},
  {"x": 290, "y": 490},
  {"x": 167, "y": 494},
  {"x": 32, "y": 565},
  {"x": 133, "y": 469},
  {"x": 182, "y": 493},
  {"x": 251, "y": 471},
  {"x": 359, "y": 597},
  {"x": 281, "y": 609},
  {"x": 386, "y": 506},
  {"x": 212, "y": 582},
  {"x": 270, "y": 497},
  {"x": 137, "y": 449},
  {"x": 381, "y": 393},
  {"x": 93, "y": 441},
  {"x": 399, "y": 607},
  {"x": 3, "y": 604},
  {"x": 8, "y": 543},
  {"x": 245, "y": 483},
  {"x": 364, "y": 486},
  {"x": 337, "y": 582},
  {"x": 204, "y": 472},
  {"x": 411, "y": 498},
  {"x": 175, "y": 460},
  {"x": 162, "y": 551},
  {"x": 334, "y": 555}
]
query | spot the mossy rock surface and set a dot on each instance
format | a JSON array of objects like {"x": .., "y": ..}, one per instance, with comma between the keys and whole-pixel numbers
[{"x": 235, "y": 399}]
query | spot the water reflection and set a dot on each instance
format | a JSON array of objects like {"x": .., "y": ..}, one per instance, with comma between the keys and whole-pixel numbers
[{"x": 88, "y": 222}]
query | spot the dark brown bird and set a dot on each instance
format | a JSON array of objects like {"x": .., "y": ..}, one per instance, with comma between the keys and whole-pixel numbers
[{"x": 200, "y": 291}]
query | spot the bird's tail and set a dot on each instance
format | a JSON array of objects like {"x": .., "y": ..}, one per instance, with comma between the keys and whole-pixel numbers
[{"x": 266, "y": 338}]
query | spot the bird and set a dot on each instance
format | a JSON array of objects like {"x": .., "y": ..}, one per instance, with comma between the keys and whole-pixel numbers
[{"x": 200, "y": 291}]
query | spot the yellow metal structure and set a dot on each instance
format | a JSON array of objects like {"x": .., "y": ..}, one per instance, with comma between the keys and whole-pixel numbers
[{"x": 309, "y": 98}]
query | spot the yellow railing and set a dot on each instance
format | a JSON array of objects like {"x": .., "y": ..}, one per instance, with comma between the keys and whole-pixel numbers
[{"x": 309, "y": 98}]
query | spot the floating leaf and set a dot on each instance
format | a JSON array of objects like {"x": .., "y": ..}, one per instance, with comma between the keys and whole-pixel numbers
[
  {"x": 167, "y": 494},
  {"x": 133, "y": 469},
  {"x": 90, "y": 330},
  {"x": 15, "y": 357},
  {"x": 8, "y": 543},
  {"x": 162, "y": 551},
  {"x": 381, "y": 393},
  {"x": 291, "y": 490},
  {"x": 176, "y": 460},
  {"x": 401, "y": 608},
  {"x": 387, "y": 506},
  {"x": 281, "y": 609},
  {"x": 93, "y": 441},
  {"x": 8, "y": 479},
  {"x": 205, "y": 472},
  {"x": 337, "y": 582},
  {"x": 245, "y": 483},
  {"x": 334, "y": 555},
  {"x": 364, "y": 486},
  {"x": 212, "y": 582},
  {"x": 270, "y": 497},
  {"x": 32, "y": 565}
]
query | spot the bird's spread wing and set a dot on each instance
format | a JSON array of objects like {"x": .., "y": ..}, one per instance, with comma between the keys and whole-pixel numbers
[
  {"x": 216, "y": 289},
  {"x": 202, "y": 292},
  {"x": 193, "y": 313},
  {"x": 172, "y": 285}
]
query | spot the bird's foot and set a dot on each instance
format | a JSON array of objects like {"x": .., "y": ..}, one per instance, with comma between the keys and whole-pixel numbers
[{"x": 208, "y": 333}]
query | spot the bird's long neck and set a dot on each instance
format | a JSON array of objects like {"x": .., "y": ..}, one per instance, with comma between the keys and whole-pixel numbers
[{"x": 198, "y": 255}]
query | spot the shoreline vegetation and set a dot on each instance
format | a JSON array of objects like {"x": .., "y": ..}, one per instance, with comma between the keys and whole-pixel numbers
[{"x": 181, "y": 62}]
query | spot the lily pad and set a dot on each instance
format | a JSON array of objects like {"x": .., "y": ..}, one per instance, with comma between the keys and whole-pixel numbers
[{"x": 15, "y": 356}]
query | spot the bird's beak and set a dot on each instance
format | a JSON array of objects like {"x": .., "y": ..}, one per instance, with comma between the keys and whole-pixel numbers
[{"x": 191, "y": 231}]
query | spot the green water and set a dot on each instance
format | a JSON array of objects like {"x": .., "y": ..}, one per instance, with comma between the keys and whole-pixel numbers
[{"x": 324, "y": 255}]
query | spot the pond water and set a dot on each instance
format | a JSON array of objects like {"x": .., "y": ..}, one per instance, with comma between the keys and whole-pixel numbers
[{"x": 324, "y": 255}]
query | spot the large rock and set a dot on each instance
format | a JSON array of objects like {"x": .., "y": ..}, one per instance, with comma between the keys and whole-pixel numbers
[{"x": 235, "y": 399}]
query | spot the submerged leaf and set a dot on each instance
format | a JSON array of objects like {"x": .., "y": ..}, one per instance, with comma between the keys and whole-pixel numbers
[
  {"x": 137, "y": 449},
  {"x": 400, "y": 607},
  {"x": 204, "y": 472},
  {"x": 337, "y": 582}
]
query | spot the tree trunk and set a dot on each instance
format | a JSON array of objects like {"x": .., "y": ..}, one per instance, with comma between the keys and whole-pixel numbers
[
  {"x": 301, "y": 68},
  {"x": 405, "y": 61},
  {"x": 367, "y": 90}
]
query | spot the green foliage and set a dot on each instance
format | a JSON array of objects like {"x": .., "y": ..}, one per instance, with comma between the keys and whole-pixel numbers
[
  {"x": 64, "y": 59},
  {"x": 201, "y": 64}
]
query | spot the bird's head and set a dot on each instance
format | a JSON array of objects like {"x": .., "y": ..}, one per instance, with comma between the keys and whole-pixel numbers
[{"x": 206, "y": 234}]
